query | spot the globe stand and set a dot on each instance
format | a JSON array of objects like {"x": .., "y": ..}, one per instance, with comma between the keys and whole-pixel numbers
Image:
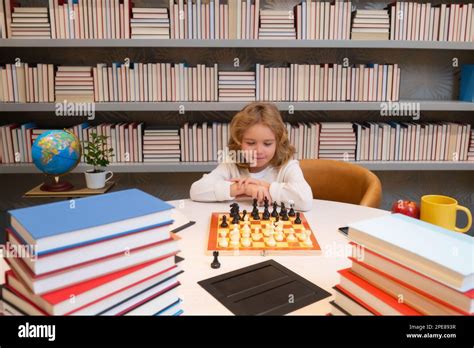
[{"x": 56, "y": 186}]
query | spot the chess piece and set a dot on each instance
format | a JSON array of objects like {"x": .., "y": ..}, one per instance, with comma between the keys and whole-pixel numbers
[
  {"x": 292, "y": 211},
  {"x": 285, "y": 216},
  {"x": 236, "y": 218},
  {"x": 223, "y": 233},
  {"x": 224, "y": 223},
  {"x": 283, "y": 210},
  {"x": 223, "y": 243},
  {"x": 244, "y": 215},
  {"x": 215, "y": 263},
  {"x": 291, "y": 237},
  {"x": 266, "y": 215},
  {"x": 279, "y": 236},
  {"x": 308, "y": 241},
  {"x": 271, "y": 241},
  {"x": 298, "y": 219},
  {"x": 274, "y": 212},
  {"x": 246, "y": 242},
  {"x": 265, "y": 202},
  {"x": 255, "y": 207},
  {"x": 302, "y": 236},
  {"x": 255, "y": 215},
  {"x": 235, "y": 240}
]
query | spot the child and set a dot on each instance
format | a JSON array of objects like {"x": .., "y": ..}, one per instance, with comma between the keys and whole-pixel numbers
[{"x": 257, "y": 130}]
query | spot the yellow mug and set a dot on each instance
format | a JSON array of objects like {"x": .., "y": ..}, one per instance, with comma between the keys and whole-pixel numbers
[{"x": 441, "y": 211}]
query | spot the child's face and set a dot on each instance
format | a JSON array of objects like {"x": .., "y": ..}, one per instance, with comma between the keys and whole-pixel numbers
[{"x": 261, "y": 139}]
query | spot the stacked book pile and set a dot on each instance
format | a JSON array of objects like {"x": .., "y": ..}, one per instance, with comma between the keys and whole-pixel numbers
[
  {"x": 154, "y": 82},
  {"x": 337, "y": 140},
  {"x": 305, "y": 138},
  {"x": 410, "y": 141},
  {"x": 323, "y": 20},
  {"x": 161, "y": 145},
  {"x": 20, "y": 83},
  {"x": 429, "y": 22},
  {"x": 74, "y": 84},
  {"x": 470, "y": 154},
  {"x": 204, "y": 142},
  {"x": 150, "y": 23},
  {"x": 15, "y": 143},
  {"x": 370, "y": 25},
  {"x": 276, "y": 25},
  {"x": 394, "y": 272},
  {"x": 236, "y": 86},
  {"x": 30, "y": 23},
  {"x": 111, "y": 254}
]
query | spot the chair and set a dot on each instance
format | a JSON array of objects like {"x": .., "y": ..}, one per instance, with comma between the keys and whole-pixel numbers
[{"x": 342, "y": 182}]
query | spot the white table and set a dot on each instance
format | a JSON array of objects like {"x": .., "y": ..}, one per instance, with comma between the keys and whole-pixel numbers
[{"x": 325, "y": 218}]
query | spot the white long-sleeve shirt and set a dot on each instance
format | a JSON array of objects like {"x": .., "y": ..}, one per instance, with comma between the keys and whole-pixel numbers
[{"x": 286, "y": 184}]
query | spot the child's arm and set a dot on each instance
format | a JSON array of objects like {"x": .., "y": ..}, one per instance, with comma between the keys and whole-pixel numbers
[
  {"x": 215, "y": 186},
  {"x": 294, "y": 187}
]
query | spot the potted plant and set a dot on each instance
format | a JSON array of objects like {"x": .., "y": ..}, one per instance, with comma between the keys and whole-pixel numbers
[{"x": 97, "y": 154}]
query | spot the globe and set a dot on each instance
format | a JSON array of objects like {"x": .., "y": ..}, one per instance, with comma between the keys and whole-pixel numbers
[{"x": 56, "y": 153}]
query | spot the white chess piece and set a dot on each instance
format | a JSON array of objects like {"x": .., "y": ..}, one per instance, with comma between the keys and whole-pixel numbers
[
  {"x": 302, "y": 235},
  {"x": 223, "y": 233},
  {"x": 308, "y": 241},
  {"x": 246, "y": 228},
  {"x": 256, "y": 236},
  {"x": 235, "y": 240},
  {"x": 223, "y": 243},
  {"x": 291, "y": 237},
  {"x": 246, "y": 242},
  {"x": 279, "y": 236},
  {"x": 246, "y": 234},
  {"x": 271, "y": 241}
]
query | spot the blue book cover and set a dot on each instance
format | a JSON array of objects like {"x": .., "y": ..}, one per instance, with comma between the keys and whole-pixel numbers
[
  {"x": 467, "y": 83},
  {"x": 57, "y": 218}
]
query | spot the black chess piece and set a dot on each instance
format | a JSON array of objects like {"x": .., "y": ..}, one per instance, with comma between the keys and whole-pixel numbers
[
  {"x": 255, "y": 207},
  {"x": 285, "y": 217},
  {"x": 236, "y": 218},
  {"x": 298, "y": 219},
  {"x": 244, "y": 212},
  {"x": 292, "y": 211},
  {"x": 282, "y": 209},
  {"x": 215, "y": 263},
  {"x": 233, "y": 209},
  {"x": 274, "y": 212},
  {"x": 255, "y": 215},
  {"x": 224, "y": 223},
  {"x": 265, "y": 202},
  {"x": 266, "y": 213}
]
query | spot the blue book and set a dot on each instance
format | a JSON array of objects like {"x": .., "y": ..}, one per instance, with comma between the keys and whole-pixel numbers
[
  {"x": 436, "y": 252},
  {"x": 467, "y": 83},
  {"x": 53, "y": 227}
]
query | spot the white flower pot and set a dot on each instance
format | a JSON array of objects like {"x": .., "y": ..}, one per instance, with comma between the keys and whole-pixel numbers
[{"x": 97, "y": 180}]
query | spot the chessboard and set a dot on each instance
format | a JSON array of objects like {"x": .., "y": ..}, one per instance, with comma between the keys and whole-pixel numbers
[{"x": 280, "y": 234}]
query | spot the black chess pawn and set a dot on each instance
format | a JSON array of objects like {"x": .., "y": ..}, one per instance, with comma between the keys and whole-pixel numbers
[
  {"x": 224, "y": 223},
  {"x": 282, "y": 209},
  {"x": 265, "y": 202},
  {"x": 244, "y": 212},
  {"x": 215, "y": 263},
  {"x": 255, "y": 207},
  {"x": 298, "y": 219},
  {"x": 292, "y": 211},
  {"x": 285, "y": 217},
  {"x": 274, "y": 212}
]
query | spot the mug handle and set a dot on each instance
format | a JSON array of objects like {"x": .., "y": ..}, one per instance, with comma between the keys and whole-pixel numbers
[
  {"x": 469, "y": 219},
  {"x": 110, "y": 177}
]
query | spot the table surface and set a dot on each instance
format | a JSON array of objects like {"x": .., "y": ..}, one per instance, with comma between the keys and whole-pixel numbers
[{"x": 325, "y": 218}]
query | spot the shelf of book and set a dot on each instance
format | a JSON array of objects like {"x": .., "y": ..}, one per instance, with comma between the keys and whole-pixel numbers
[
  {"x": 208, "y": 166},
  {"x": 169, "y": 43},
  {"x": 425, "y": 105}
]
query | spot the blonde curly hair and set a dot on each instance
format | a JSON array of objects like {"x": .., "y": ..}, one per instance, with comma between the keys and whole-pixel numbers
[{"x": 268, "y": 115}]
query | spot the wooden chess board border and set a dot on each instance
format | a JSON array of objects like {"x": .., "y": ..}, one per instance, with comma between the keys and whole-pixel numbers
[{"x": 212, "y": 244}]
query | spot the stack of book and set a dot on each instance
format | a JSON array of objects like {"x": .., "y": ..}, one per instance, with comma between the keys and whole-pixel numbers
[
  {"x": 15, "y": 143},
  {"x": 337, "y": 140},
  {"x": 204, "y": 142},
  {"x": 305, "y": 138},
  {"x": 370, "y": 25},
  {"x": 236, "y": 86},
  {"x": 276, "y": 25},
  {"x": 161, "y": 145},
  {"x": 3, "y": 23},
  {"x": 111, "y": 254},
  {"x": 409, "y": 141},
  {"x": 20, "y": 83},
  {"x": 323, "y": 20},
  {"x": 147, "y": 82},
  {"x": 428, "y": 22},
  {"x": 150, "y": 23},
  {"x": 470, "y": 154},
  {"x": 74, "y": 84},
  {"x": 30, "y": 23},
  {"x": 394, "y": 272}
]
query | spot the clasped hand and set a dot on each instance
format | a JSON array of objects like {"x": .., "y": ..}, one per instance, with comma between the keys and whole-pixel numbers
[{"x": 254, "y": 188}]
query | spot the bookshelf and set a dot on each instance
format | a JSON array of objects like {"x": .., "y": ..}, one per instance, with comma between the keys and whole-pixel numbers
[
  {"x": 153, "y": 43},
  {"x": 68, "y": 51},
  {"x": 434, "y": 105},
  {"x": 24, "y": 168}
]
